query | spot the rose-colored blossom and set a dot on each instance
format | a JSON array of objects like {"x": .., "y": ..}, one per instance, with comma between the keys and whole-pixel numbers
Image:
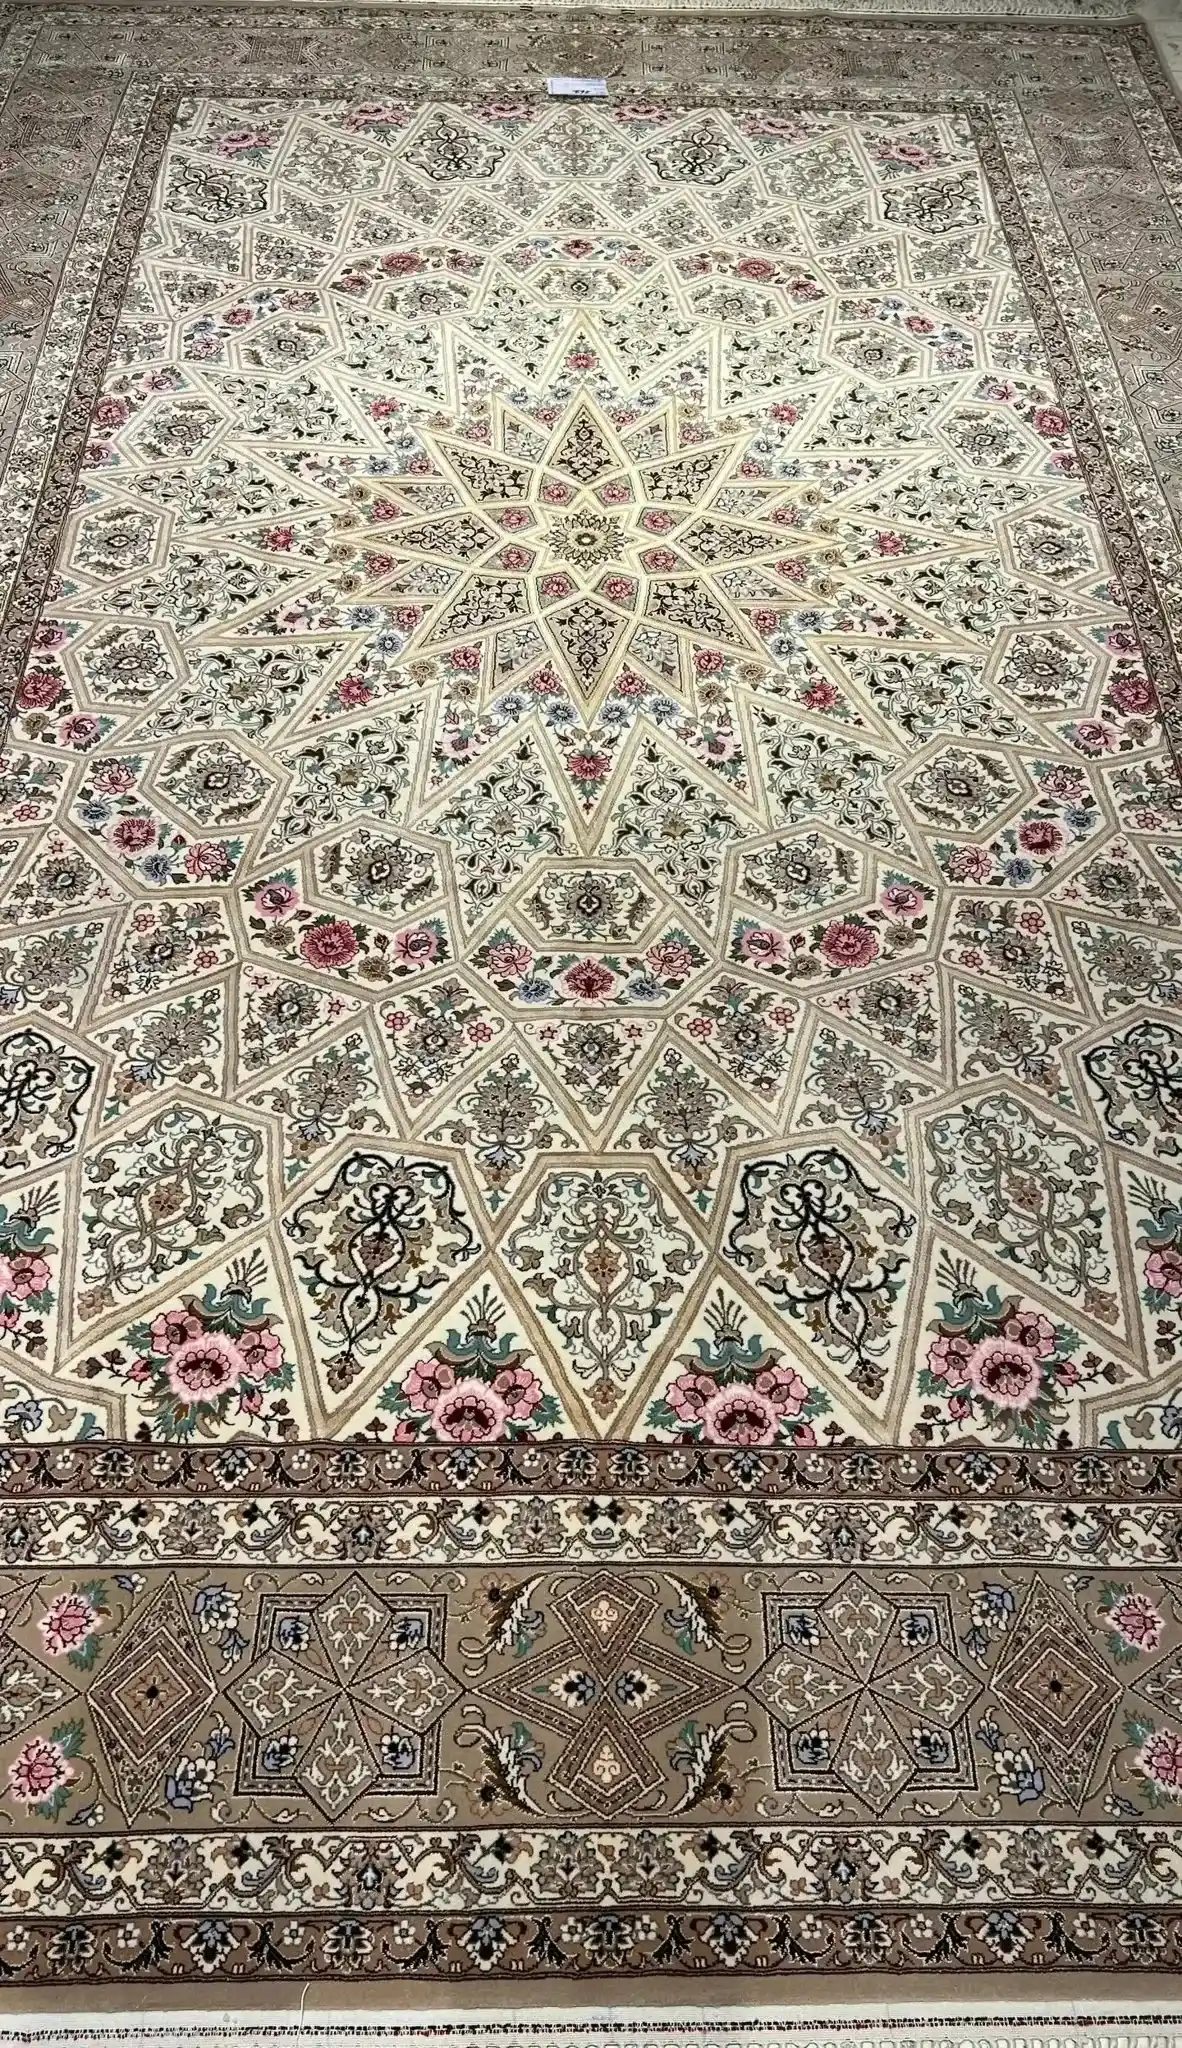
[
  {"x": 1133, "y": 694},
  {"x": 821, "y": 695},
  {"x": 970, "y": 864},
  {"x": 785, "y": 413},
  {"x": 1136, "y": 1621},
  {"x": 520, "y": 1390},
  {"x": 204, "y": 1367},
  {"x": 22, "y": 1275},
  {"x": 590, "y": 980},
  {"x": 1041, "y": 835},
  {"x": 1033, "y": 1331},
  {"x": 427, "y": 1379},
  {"x": 670, "y": 958},
  {"x": 1004, "y": 1373},
  {"x": 329, "y": 945},
  {"x": 112, "y": 778},
  {"x": 756, "y": 268},
  {"x": 262, "y": 1353},
  {"x": 845, "y": 944},
  {"x": 40, "y": 688},
  {"x": 764, "y": 946},
  {"x": 470, "y": 1413},
  {"x": 1160, "y": 1757},
  {"x": 175, "y": 1327},
  {"x": 688, "y": 1394},
  {"x": 274, "y": 900},
  {"x": 416, "y": 946},
  {"x": 67, "y": 1623},
  {"x": 401, "y": 263},
  {"x": 903, "y": 902},
  {"x": 1050, "y": 421},
  {"x": 1163, "y": 1271},
  {"x": 588, "y": 767},
  {"x": 208, "y": 861},
  {"x": 948, "y": 1360},
  {"x": 39, "y": 1770},
  {"x": 740, "y": 1415},
  {"x": 509, "y": 960},
  {"x": 133, "y": 835},
  {"x": 783, "y": 1387}
]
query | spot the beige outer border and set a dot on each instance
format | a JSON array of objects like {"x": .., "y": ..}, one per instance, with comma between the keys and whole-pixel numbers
[{"x": 890, "y": 2024}]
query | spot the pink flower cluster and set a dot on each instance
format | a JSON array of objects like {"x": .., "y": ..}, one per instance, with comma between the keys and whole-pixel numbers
[{"x": 465, "y": 1409}]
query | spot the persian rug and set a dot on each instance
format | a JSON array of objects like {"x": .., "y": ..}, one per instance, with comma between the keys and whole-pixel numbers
[{"x": 591, "y": 958}]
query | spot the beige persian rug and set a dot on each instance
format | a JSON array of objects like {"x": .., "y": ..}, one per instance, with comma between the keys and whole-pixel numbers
[{"x": 590, "y": 1002}]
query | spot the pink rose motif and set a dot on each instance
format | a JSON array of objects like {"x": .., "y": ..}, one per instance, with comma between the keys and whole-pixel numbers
[
  {"x": 509, "y": 960},
  {"x": 619, "y": 588},
  {"x": 821, "y": 695},
  {"x": 209, "y": 861},
  {"x": 1160, "y": 1757},
  {"x": 783, "y": 1387},
  {"x": 1004, "y": 1373},
  {"x": 1034, "y": 1332},
  {"x": 470, "y": 1413},
  {"x": 133, "y": 835},
  {"x": 417, "y": 946},
  {"x": 845, "y": 944},
  {"x": 520, "y": 1390},
  {"x": 688, "y": 1394},
  {"x": 785, "y": 413},
  {"x": 111, "y": 412},
  {"x": 1041, "y": 835},
  {"x": 262, "y": 1354},
  {"x": 740, "y": 1415},
  {"x": 589, "y": 980},
  {"x": 329, "y": 945},
  {"x": 113, "y": 778},
  {"x": 1133, "y": 694},
  {"x": 902, "y": 902},
  {"x": 67, "y": 1623},
  {"x": 1050, "y": 421},
  {"x": 756, "y": 269},
  {"x": 708, "y": 660},
  {"x": 765, "y": 947},
  {"x": 669, "y": 958},
  {"x": 22, "y": 1275},
  {"x": 1136, "y": 1621},
  {"x": 1065, "y": 785},
  {"x": 39, "y": 689},
  {"x": 890, "y": 543},
  {"x": 1095, "y": 736},
  {"x": 204, "y": 1367},
  {"x": 401, "y": 263},
  {"x": 427, "y": 1380},
  {"x": 659, "y": 558},
  {"x": 274, "y": 900},
  {"x": 658, "y": 522},
  {"x": 1163, "y": 1271},
  {"x": 970, "y": 864},
  {"x": 589, "y": 767},
  {"x": 948, "y": 1360},
  {"x": 39, "y": 1770},
  {"x": 177, "y": 1326}
]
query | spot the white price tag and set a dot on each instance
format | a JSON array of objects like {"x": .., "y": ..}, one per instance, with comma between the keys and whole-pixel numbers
[{"x": 577, "y": 88}]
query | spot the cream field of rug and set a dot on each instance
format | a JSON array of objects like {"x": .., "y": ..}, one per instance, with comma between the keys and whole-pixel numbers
[{"x": 590, "y": 1002}]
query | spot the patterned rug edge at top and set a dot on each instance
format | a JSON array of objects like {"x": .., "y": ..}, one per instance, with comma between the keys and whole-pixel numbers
[{"x": 590, "y": 960}]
